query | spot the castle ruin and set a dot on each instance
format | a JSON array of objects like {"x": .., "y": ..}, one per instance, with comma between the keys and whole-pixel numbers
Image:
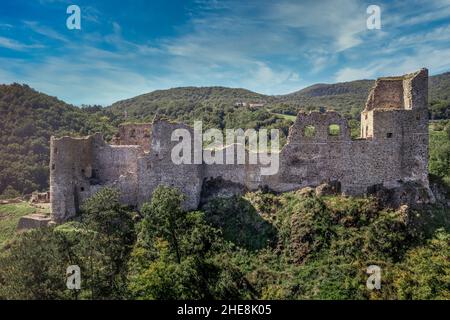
[{"x": 392, "y": 148}]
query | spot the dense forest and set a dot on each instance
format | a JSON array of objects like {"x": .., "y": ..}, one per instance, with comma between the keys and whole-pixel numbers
[
  {"x": 27, "y": 120},
  {"x": 260, "y": 246}
]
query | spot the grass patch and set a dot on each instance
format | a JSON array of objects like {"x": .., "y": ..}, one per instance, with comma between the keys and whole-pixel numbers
[
  {"x": 9, "y": 218},
  {"x": 285, "y": 116}
]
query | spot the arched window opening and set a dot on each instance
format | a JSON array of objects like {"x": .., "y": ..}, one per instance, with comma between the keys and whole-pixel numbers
[
  {"x": 309, "y": 131},
  {"x": 334, "y": 129}
]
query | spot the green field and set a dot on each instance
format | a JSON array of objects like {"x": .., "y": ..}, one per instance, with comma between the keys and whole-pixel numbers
[
  {"x": 9, "y": 217},
  {"x": 285, "y": 116}
]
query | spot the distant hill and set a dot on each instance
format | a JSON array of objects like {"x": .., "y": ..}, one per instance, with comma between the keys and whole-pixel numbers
[
  {"x": 173, "y": 102},
  {"x": 191, "y": 95},
  {"x": 439, "y": 87},
  {"x": 216, "y": 106},
  {"x": 27, "y": 120},
  {"x": 356, "y": 88},
  {"x": 346, "y": 97},
  {"x": 186, "y": 102}
]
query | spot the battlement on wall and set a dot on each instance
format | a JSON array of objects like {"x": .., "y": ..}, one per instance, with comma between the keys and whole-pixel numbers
[{"x": 393, "y": 147}]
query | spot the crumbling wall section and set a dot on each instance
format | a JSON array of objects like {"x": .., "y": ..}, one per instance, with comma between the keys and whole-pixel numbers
[
  {"x": 134, "y": 134},
  {"x": 116, "y": 166},
  {"x": 415, "y": 127},
  {"x": 70, "y": 164},
  {"x": 386, "y": 94},
  {"x": 235, "y": 173},
  {"x": 81, "y": 166},
  {"x": 157, "y": 168},
  {"x": 393, "y": 148},
  {"x": 313, "y": 154}
]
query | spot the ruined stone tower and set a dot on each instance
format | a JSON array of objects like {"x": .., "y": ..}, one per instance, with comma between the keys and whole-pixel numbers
[
  {"x": 392, "y": 149},
  {"x": 396, "y": 114}
]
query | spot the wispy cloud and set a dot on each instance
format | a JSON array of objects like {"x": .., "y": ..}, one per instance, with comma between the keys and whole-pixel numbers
[
  {"x": 415, "y": 34},
  {"x": 267, "y": 46},
  {"x": 437, "y": 60},
  {"x": 45, "y": 31},
  {"x": 16, "y": 45},
  {"x": 337, "y": 23}
]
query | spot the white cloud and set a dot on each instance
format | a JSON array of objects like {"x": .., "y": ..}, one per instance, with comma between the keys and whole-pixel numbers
[
  {"x": 415, "y": 12},
  {"x": 436, "y": 60},
  {"x": 79, "y": 81},
  {"x": 350, "y": 74},
  {"x": 337, "y": 23},
  {"x": 45, "y": 31},
  {"x": 16, "y": 45}
]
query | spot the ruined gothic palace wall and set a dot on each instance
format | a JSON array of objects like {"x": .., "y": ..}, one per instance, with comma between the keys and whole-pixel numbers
[
  {"x": 79, "y": 167},
  {"x": 156, "y": 168},
  {"x": 393, "y": 147}
]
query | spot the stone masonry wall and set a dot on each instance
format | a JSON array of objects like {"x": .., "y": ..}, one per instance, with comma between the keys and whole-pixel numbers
[
  {"x": 134, "y": 134},
  {"x": 393, "y": 148}
]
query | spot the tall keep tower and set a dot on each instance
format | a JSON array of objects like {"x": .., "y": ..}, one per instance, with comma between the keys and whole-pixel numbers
[{"x": 397, "y": 112}]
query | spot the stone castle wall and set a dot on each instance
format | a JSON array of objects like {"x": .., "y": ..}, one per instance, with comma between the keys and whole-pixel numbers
[
  {"x": 393, "y": 147},
  {"x": 134, "y": 134}
]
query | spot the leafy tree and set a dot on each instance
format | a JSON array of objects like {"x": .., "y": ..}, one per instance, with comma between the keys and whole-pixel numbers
[
  {"x": 177, "y": 255},
  {"x": 27, "y": 120},
  {"x": 34, "y": 267},
  {"x": 9, "y": 193},
  {"x": 240, "y": 223},
  {"x": 164, "y": 218},
  {"x": 425, "y": 273},
  {"x": 110, "y": 240}
]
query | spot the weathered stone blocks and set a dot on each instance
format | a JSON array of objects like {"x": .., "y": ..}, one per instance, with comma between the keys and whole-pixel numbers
[
  {"x": 393, "y": 147},
  {"x": 33, "y": 221}
]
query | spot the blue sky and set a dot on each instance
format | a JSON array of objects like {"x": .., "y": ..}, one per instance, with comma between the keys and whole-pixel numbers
[{"x": 126, "y": 48}]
